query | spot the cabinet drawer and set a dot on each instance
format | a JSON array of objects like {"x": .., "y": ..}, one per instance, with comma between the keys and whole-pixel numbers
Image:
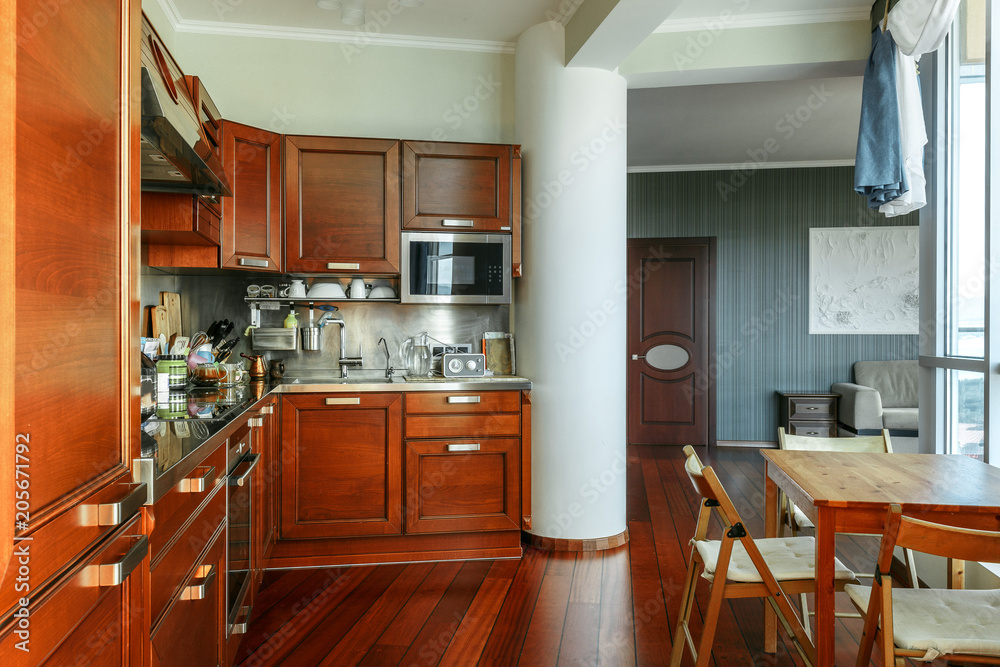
[
  {"x": 462, "y": 402},
  {"x": 208, "y": 223},
  {"x": 821, "y": 408},
  {"x": 818, "y": 429},
  {"x": 174, "y": 509},
  {"x": 181, "y": 558},
  {"x": 190, "y": 631},
  {"x": 83, "y": 620},
  {"x": 462, "y": 485},
  {"x": 461, "y": 426}
]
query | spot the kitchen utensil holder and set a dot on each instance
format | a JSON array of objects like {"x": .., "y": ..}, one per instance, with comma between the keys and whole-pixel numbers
[{"x": 266, "y": 339}]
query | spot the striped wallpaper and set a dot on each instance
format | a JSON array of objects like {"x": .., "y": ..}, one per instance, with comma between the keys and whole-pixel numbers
[{"x": 762, "y": 223}]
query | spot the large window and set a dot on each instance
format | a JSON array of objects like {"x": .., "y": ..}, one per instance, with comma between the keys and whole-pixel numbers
[{"x": 960, "y": 349}]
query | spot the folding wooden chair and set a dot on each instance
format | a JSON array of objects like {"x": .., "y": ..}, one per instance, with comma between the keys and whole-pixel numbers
[
  {"x": 797, "y": 520},
  {"x": 740, "y": 567},
  {"x": 923, "y": 623}
]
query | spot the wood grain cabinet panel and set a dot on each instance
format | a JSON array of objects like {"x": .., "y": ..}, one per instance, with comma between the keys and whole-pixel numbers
[
  {"x": 341, "y": 465},
  {"x": 462, "y": 485},
  {"x": 251, "y": 218},
  {"x": 341, "y": 205},
  {"x": 457, "y": 187}
]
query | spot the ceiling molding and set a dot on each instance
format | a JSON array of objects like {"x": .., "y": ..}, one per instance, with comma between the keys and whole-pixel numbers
[
  {"x": 769, "y": 19},
  {"x": 741, "y": 166},
  {"x": 359, "y": 37}
]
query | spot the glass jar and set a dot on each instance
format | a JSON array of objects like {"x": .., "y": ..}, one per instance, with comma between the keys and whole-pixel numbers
[{"x": 175, "y": 367}]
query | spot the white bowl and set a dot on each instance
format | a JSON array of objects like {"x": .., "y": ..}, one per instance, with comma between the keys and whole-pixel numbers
[
  {"x": 326, "y": 291},
  {"x": 382, "y": 292}
]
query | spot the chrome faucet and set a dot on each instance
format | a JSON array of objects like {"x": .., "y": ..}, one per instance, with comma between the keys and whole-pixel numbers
[
  {"x": 345, "y": 362},
  {"x": 389, "y": 370}
]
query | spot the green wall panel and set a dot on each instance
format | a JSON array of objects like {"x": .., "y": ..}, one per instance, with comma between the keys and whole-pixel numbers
[{"x": 761, "y": 222}]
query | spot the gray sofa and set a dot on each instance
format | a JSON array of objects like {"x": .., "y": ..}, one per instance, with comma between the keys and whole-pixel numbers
[{"x": 884, "y": 394}]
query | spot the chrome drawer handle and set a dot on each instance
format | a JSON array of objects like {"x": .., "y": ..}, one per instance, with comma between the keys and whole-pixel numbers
[
  {"x": 259, "y": 263},
  {"x": 251, "y": 462},
  {"x": 343, "y": 266},
  {"x": 114, "y": 574},
  {"x": 196, "y": 484},
  {"x": 256, "y": 422},
  {"x": 812, "y": 407},
  {"x": 463, "y": 399},
  {"x": 199, "y": 591},
  {"x": 115, "y": 514},
  {"x": 240, "y": 627},
  {"x": 458, "y": 223},
  {"x": 474, "y": 447},
  {"x": 343, "y": 401}
]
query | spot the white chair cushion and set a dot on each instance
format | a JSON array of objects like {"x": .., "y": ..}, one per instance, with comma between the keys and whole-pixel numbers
[
  {"x": 789, "y": 558},
  {"x": 941, "y": 622}
]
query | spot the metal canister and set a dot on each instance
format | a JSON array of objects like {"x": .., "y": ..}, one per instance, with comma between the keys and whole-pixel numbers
[
  {"x": 175, "y": 367},
  {"x": 312, "y": 339}
]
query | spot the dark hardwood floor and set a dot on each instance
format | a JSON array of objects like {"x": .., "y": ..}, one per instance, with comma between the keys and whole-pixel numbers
[{"x": 614, "y": 607}]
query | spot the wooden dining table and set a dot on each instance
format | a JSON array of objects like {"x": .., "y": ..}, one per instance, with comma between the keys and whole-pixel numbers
[{"x": 849, "y": 492}]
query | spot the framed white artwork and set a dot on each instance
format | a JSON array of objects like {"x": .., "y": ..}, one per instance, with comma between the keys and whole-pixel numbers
[{"x": 864, "y": 280}]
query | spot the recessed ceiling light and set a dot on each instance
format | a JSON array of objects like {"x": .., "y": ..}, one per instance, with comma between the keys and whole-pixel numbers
[{"x": 328, "y": 4}]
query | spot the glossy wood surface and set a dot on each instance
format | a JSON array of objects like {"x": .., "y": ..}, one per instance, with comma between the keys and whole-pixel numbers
[
  {"x": 78, "y": 622},
  {"x": 674, "y": 289},
  {"x": 851, "y": 492},
  {"x": 462, "y": 402},
  {"x": 341, "y": 204},
  {"x": 460, "y": 426},
  {"x": 8, "y": 221},
  {"x": 251, "y": 218},
  {"x": 191, "y": 631},
  {"x": 178, "y": 219},
  {"x": 450, "y": 491},
  {"x": 607, "y": 608},
  {"x": 443, "y": 181},
  {"x": 341, "y": 466}
]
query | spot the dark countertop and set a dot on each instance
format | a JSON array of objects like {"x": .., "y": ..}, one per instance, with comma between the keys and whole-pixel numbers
[{"x": 173, "y": 443}]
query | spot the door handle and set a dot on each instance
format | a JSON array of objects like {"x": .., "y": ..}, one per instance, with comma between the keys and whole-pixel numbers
[
  {"x": 464, "y": 399},
  {"x": 343, "y": 401},
  {"x": 259, "y": 263},
  {"x": 637, "y": 357},
  {"x": 458, "y": 223},
  {"x": 240, "y": 627},
  {"x": 472, "y": 447},
  {"x": 116, "y": 513},
  {"x": 196, "y": 484},
  {"x": 114, "y": 574},
  {"x": 251, "y": 462},
  {"x": 343, "y": 266},
  {"x": 199, "y": 591}
]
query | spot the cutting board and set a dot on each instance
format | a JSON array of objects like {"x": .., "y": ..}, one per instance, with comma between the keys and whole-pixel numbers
[
  {"x": 146, "y": 327},
  {"x": 172, "y": 302},
  {"x": 161, "y": 323}
]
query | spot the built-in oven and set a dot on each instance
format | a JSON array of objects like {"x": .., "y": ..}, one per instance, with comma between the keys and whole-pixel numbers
[
  {"x": 455, "y": 268},
  {"x": 239, "y": 544}
]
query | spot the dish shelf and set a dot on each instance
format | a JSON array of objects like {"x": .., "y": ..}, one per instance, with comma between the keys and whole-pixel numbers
[{"x": 305, "y": 301}]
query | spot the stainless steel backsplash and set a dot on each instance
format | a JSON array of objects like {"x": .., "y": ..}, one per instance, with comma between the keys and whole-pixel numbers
[{"x": 216, "y": 297}]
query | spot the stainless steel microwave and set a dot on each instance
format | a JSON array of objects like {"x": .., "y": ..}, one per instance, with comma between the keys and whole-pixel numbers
[{"x": 455, "y": 268}]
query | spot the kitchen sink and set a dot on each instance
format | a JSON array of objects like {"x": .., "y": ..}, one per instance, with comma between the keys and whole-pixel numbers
[{"x": 340, "y": 380}]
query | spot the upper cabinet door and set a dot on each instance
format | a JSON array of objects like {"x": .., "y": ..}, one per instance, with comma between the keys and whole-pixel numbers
[
  {"x": 456, "y": 187},
  {"x": 341, "y": 205},
  {"x": 251, "y": 218}
]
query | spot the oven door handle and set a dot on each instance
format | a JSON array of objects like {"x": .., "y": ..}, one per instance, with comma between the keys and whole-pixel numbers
[{"x": 243, "y": 469}]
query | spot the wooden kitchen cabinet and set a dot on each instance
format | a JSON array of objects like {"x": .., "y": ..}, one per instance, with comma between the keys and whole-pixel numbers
[
  {"x": 341, "y": 205},
  {"x": 463, "y": 484},
  {"x": 265, "y": 443},
  {"x": 457, "y": 187},
  {"x": 341, "y": 465},
  {"x": 251, "y": 218},
  {"x": 87, "y": 617},
  {"x": 181, "y": 230}
]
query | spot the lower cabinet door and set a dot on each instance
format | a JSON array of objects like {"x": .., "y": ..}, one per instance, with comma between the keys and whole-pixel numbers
[
  {"x": 462, "y": 485},
  {"x": 92, "y": 616},
  {"x": 192, "y": 629},
  {"x": 340, "y": 465}
]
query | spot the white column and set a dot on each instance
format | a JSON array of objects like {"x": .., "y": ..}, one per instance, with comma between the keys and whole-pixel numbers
[{"x": 570, "y": 305}]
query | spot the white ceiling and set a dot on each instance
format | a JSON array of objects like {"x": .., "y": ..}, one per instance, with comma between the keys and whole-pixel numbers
[
  {"x": 481, "y": 20},
  {"x": 695, "y": 126}
]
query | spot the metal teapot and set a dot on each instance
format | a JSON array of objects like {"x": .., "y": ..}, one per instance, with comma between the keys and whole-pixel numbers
[{"x": 258, "y": 369}]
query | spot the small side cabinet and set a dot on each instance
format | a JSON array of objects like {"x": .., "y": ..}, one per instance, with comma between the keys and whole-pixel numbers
[{"x": 813, "y": 415}]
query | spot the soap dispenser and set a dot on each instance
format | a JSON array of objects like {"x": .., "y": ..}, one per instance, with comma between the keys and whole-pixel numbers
[{"x": 291, "y": 322}]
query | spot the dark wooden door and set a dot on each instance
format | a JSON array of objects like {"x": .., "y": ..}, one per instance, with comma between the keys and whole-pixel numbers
[
  {"x": 462, "y": 484},
  {"x": 341, "y": 464},
  {"x": 452, "y": 186},
  {"x": 671, "y": 338},
  {"x": 251, "y": 218},
  {"x": 341, "y": 205}
]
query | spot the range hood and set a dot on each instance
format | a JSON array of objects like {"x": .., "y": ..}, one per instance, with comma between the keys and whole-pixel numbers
[{"x": 175, "y": 154}]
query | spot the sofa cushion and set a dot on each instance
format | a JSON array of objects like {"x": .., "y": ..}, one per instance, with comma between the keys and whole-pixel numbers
[
  {"x": 898, "y": 382},
  {"x": 901, "y": 419}
]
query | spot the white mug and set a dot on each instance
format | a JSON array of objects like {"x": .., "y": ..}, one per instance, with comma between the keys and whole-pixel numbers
[
  {"x": 358, "y": 288},
  {"x": 297, "y": 290}
]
